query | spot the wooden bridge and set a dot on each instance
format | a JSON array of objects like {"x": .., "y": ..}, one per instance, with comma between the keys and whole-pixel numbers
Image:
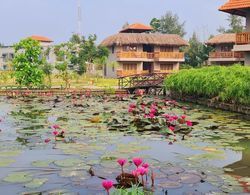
[{"x": 151, "y": 83}]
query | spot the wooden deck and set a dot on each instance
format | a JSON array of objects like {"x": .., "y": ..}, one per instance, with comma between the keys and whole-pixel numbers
[{"x": 149, "y": 82}]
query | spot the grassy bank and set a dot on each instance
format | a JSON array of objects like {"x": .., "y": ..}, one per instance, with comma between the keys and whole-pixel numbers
[
  {"x": 228, "y": 84},
  {"x": 76, "y": 81}
]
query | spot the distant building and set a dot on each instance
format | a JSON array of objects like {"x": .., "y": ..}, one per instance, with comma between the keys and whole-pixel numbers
[
  {"x": 7, "y": 52},
  {"x": 137, "y": 51},
  {"x": 223, "y": 53},
  {"x": 240, "y": 8}
]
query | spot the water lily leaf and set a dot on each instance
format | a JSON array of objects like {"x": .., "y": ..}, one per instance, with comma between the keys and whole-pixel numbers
[
  {"x": 20, "y": 177},
  {"x": 9, "y": 153},
  {"x": 172, "y": 170},
  {"x": 170, "y": 185},
  {"x": 70, "y": 162},
  {"x": 36, "y": 183},
  {"x": 6, "y": 162},
  {"x": 42, "y": 163}
]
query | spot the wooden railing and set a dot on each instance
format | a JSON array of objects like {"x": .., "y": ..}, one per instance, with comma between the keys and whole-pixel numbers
[
  {"x": 169, "y": 55},
  {"x": 243, "y": 38},
  {"x": 229, "y": 54},
  {"x": 155, "y": 55},
  {"x": 132, "y": 54},
  {"x": 124, "y": 73}
]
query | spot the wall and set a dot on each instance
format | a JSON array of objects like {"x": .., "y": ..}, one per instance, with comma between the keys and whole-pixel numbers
[
  {"x": 248, "y": 22},
  {"x": 9, "y": 51},
  {"x": 110, "y": 72},
  {"x": 247, "y": 58}
]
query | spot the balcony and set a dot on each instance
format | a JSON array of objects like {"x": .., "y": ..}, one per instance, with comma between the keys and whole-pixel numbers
[
  {"x": 227, "y": 55},
  {"x": 243, "y": 38},
  {"x": 169, "y": 55},
  {"x": 124, "y": 73},
  {"x": 134, "y": 55},
  {"x": 145, "y": 56}
]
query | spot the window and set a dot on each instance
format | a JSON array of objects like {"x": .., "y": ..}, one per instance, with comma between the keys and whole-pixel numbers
[
  {"x": 113, "y": 49},
  {"x": 226, "y": 48},
  {"x": 130, "y": 67},
  {"x": 166, "y": 48},
  {"x": 129, "y": 48},
  {"x": 11, "y": 55},
  {"x": 166, "y": 66}
]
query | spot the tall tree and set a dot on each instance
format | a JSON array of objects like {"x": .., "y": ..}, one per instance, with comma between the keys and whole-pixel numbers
[
  {"x": 27, "y": 63},
  {"x": 80, "y": 51},
  {"x": 235, "y": 25},
  {"x": 197, "y": 53},
  {"x": 168, "y": 24}
]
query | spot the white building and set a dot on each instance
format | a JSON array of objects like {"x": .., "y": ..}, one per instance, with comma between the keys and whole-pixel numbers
[{"x": 7, "y": 52}]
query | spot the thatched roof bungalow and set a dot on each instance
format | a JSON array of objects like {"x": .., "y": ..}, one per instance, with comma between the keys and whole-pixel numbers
[
  {"x": 156, "y": 39},
  {"x": 223, "y": 53},
  {"x": 136, "y": 50}
]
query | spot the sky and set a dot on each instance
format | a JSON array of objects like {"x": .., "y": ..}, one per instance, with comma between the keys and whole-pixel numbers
[{"x": 57, "y": 19}]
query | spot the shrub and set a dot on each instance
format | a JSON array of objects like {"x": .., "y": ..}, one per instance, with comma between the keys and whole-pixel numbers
[{"x": 228, "y": 84}]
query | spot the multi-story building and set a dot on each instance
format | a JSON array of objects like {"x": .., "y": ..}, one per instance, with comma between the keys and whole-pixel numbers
[
  {"x": 7, "y": 52},
  {"x": 137, "y": 51},
  {"x": 223, "y": 53},
  {"x": 240, "y": 8}
]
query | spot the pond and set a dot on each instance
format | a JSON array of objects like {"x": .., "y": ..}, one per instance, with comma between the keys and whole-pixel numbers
[{"x": 214, "y": 157}]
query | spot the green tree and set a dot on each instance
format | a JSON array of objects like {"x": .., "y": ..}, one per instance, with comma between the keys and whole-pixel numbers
[
  {"x": 80, "y": 51},
  {"x": 235, "y": 25},
  {"x": 64, "y": 73},
  {"x": 27, "y": 63},
  {"x": 168, "y": 24},
  {"x": 48, "y": 69},
  {"x": 197, "y": 53}
]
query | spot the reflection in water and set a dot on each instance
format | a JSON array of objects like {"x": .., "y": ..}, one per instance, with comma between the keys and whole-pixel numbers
[{"x": 242, "y": 167}]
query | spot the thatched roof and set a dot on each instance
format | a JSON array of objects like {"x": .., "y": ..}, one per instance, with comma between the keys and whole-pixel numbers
[
  {"x": 41, "y": 38},
  {"x": 237, "y": 7},
  {"x": 222, "y": 39},
  {"x": 144, "y": 38},
  {"x": 136, "y": 27}
]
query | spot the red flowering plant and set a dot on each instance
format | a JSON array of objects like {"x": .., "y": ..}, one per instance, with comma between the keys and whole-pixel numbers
[{"x": 158, "y": 115}]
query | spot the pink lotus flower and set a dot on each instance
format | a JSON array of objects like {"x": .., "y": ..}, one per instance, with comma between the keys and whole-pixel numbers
[
  {"x": 171, "y": 128},
  {"x": 183, "y": 116},
  {"x": 55, "y": 133},
  {"x": 141, "y": 170},
  {"x": 47, "y": 140},
  {"x": 189, "y": 123},
  {"x": 153, "y": 110},
  {"x": 132, "y": 105},
  {"x": 175, "y": 117},
  {"x": 151, "y": 115},
  {"x": 145, "y": 165},
  {"x": 107, "y": 185},
  {"x": 130, "y": 109},
  {"x": 122, "y": 162},
  {"x": 166, "y": 116},
  {"x": 137, "y": 161},
  {"x": 135, "y": 173},
  {"x": 55, "y": 127}
]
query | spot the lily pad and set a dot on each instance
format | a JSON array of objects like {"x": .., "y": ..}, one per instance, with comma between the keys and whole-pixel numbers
[
  {"x": 20, "y": 177},
  {"x": 6, "y": 162},
  {"x": 70, "y": 162},
  {"x": 42, "y": 163},
  {"x": 36, "y": 183},
  {"x": 170, "y": 185}
]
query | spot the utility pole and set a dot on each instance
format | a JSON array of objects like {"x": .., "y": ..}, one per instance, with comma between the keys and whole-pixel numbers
[{"x": 79, "y": 18}]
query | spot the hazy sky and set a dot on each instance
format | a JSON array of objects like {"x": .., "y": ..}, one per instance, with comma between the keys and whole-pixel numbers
[{"x": 57, "y": 19}]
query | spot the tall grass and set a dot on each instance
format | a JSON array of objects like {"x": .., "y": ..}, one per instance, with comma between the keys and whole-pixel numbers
[{"x": 228, "y": 84}]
